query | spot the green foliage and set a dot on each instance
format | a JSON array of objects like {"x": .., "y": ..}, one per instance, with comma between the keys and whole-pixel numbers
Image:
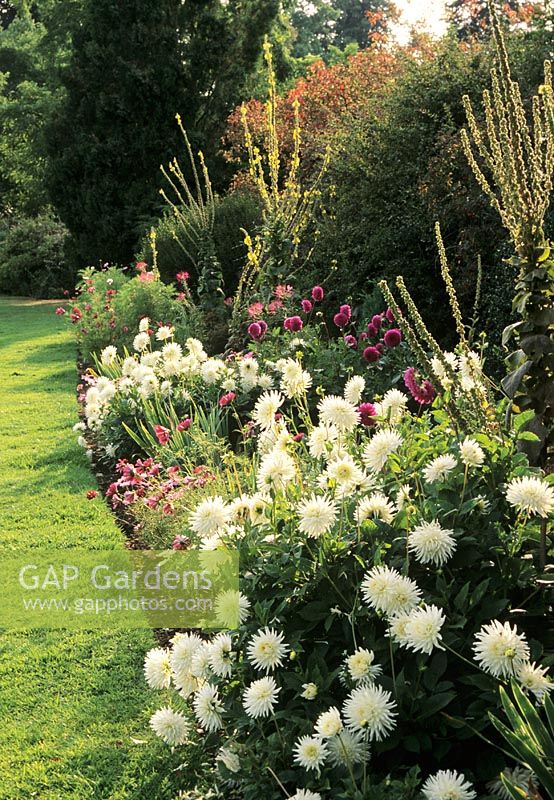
[
  {"x": 239, "y": 209},
  {"x": 29, "y": 94},
  {"x": 512, "y": 158},
  {"x": 400, "y": 167},
  {"x": 530, "y": 737},
  {"x": 32, "y": 257}
]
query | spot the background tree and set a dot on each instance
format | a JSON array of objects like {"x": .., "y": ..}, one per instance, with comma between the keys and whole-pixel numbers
[
  {"x": 7, "y": 13},
  {"x": 471, "y": 17},
  {"x": 132, "y": 68},
  {"x": 30, "y": 90},
  {"x": 358, "y": 19}
]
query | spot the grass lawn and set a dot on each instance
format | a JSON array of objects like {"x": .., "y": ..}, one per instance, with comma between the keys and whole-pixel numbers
[{"x": 70, "y": 703}]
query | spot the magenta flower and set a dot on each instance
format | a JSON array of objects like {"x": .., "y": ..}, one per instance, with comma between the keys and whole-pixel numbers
[
  {"x": 389, "y": 315},
  {"x": 351, "y": 341},
  {"x": 318, "y": 294},
  {"x": 255, "y": 330},
  {"x": 371, "y": 355},
  {"x": 346, "y": 310},
  {"x": 363, "y": 336},
  {"x": 306, "y": 306},
  {"x": 380, "y": 347},
  {"x": 376, "y": 320},
  {"x": 340, "y": 320},
  {"x": 293, "y": 324},
  {"x": 184, "y": 425},
  {"x": 298, "y": 437},
  {"x": 372, "y": 331},
  {"x": 163, "y": 435},
  {"x": 367, "y": 412},
  {"x": 182, "y": 277},
  {"x": 392, "y": 338},
  {"x": 225, "y": 399},
  {"x": 424, "y": 392},
  {"x": 60, "y": 311}
]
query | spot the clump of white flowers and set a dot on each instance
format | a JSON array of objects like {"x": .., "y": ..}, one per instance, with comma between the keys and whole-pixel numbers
[
  {"x": 171, "y": 726},
  {"x": 386, "y": 496},
  {"x": 448, "y": 785},
  {"x": 500, "y": 649},
  {"x": 432, "y": 544},
  {"x": 531, "y": 495}
]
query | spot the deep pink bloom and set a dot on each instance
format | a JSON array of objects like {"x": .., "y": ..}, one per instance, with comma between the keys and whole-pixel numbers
[
  {"x": 372, "y": 330},
  {"x": 163, "y": 435},
  {"x": 340, "y": 320},
  {"x": 184, "y": 425},
  {"x": 225, "y": 399},
  {"x": 380, "y": 347},
  {"x": 142, "y": 266},
  {"x": 392, "y": 338},
  {"x": 298, "y": 437},
  {"x": 363, "y": 336},
  {"x": 91, "y": 494},
  {"x": 182, "y": 277},
  {"x": 274, "y": 306},
  {"x": 76, "y": 314},
  {"x": 167, "y": 509},
  {"x": 263, "y": 325},
  {"x": 424, "y": 392},
  {"x": 255, "y": 330},
  {"x": 147, "y": 277},
  {"x": 306, "y": 306},
  {"x": 371, "y": 355},
  {"x": 60, "y": 311},
  {"x": 389, "y": 315},
  {"x": 318, "y": 294},
  {"x": 255, "y": 310},
  {"x": 66, "y": 292},
  {"x": 293, "y": 324},
  {"x": 346, "y": 310},
  {"x": 351, "y": 341},
  {"x": 152, "y": 502},
  {"x": 367, "y": 411},
  {"x": 376, "y": 320}
]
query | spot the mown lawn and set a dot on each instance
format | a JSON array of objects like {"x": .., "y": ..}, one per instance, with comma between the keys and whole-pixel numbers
[{"x": 70, "y": 703}]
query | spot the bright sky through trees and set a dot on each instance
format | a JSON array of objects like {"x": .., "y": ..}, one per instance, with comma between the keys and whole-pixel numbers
[{"x": 422, "y": 14}]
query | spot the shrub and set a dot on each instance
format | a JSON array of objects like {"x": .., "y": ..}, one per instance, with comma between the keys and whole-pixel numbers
[
  {"x": 32, "y": 259},
  {"x": 374, "y": 560},
  {"x": 239, "y": 209},
  {"x": 110, "y": 303}
]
